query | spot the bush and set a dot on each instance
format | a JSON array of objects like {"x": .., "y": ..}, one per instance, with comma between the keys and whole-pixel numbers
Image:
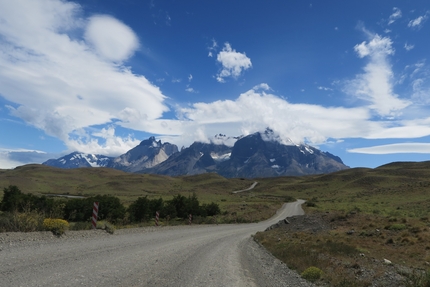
[
  {"x": 57, "y": 226},
  {"x": 110, "y": 208},
  {"x": 312, "y": 274},
  {"x": 144, "y": 209},
  {"x": 14, "y": 200},
  {"x": 21, "y": 222},
  {"x": 211, "y": 209},
  {"x": 107, "y": 226},
  {"x": 139, "y": 210}
]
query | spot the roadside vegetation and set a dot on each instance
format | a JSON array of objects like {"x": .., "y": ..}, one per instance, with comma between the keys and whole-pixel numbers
[
  {"x": 28, "y": 212},
  {"x": 368, "y": 215},
  {"x": 376, "y": 227}
]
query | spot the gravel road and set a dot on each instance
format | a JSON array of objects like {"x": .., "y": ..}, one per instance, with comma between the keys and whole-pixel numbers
[{"x": 200, "y": 255}]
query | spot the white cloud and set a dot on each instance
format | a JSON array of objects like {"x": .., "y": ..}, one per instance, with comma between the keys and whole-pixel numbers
[
  {"x": 111, "y": 38},
  {"x": 397, "y": 14},
  {"x": 418, "y": 22},
  {"x": 7, "y": 163},
  {"x": 190, "y": 90},
  {"x": 262, "y": 86},
  {"x": 212, "y": 48},
  {"x": 58, "y": 82},
  {"x": 324, "y": 88},
  {"x": 375, "y": 85},
  {"x": 190, "y": 77},
  {"x": 254, "y": 111},
  {"x": 394, "y": 148},
  {"x": 11, "y": 158},
  {"x": 408, "y": 47},
  {"x": 233, "y": 63},
  {"x": 102, "y": 142}
]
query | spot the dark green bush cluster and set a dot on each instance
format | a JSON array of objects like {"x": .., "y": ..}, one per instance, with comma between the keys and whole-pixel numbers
[
  {"x": 110, "y": 208},
  {"x": 16, "y": 201},
  {"x": 17, "y": 207},
  {"x": 180, "y": 206}
]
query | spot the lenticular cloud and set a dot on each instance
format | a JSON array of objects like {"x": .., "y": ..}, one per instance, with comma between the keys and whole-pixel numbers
[{"x": 111, "y": 38}]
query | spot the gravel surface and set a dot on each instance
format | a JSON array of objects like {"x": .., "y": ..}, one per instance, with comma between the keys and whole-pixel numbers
[{"x": 203, "y": 255}]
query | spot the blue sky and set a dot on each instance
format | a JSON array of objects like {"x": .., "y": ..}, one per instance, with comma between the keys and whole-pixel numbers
[{"x": 99, "y": 76}]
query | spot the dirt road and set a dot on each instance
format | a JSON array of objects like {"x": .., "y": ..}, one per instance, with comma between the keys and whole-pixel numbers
[{"x": 210, "y": 255}]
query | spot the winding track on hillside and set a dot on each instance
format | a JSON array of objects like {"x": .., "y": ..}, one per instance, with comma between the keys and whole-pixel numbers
[
  {"x": 249, "y": 188},
  {"x": 209, "y": 255}
]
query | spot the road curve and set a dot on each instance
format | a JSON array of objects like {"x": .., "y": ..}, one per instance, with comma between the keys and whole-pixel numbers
[
  {"x": 205, "y": 255},
  {"x": 247, "y": 189}
]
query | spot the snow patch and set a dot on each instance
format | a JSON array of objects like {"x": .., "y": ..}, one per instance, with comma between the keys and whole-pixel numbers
[
  {"x": 275, "y": 166},
  {"x": 220, "y": 157},
  {"x": 309, "y": 150},
  {"x": 91, "y": 160}
]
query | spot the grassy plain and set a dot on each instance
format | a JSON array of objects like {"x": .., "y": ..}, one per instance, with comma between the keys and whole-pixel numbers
[{"x": 242, "y": 207}]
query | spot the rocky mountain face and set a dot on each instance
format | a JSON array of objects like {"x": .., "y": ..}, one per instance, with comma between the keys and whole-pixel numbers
[
  {"x": 147, "y": 154},
  {"x": 78, "y": 159},
  {"x": 196, "y": 159},
  {"x": 255, "y": 155}
]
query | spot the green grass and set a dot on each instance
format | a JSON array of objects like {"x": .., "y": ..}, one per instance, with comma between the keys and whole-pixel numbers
[{"x": 396, "y": 189}]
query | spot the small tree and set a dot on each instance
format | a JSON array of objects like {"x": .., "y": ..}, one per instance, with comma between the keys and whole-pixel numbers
[
  {"x": 155, "y": 205},
  {"x": 192, "y": 205},
  {"x": 139, "y": 210},
  {"x": 212, "y": 209},
  {"x": 13, "y": 199},
  {"x": 180, "y": 204}
]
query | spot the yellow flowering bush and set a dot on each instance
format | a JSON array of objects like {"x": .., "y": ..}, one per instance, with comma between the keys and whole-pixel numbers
[{"x": 57, "y": 226}]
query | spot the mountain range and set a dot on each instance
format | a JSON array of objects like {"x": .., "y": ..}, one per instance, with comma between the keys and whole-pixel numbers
[{"x": 257, "y": 155}]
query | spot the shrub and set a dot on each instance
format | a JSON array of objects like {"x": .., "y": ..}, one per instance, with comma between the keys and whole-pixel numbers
[
  {"x": 212, "y": 209},
  {"x": 14, "y": 200},
  {"x": 107, "y": 226},
  {"x": 110, "y": 208},
  {"x": 21, "y": 222},
  {"x": 139, "y": 210},
  {"x": 312, "y": 274},
  {"x": 57, "y": 226},
  {"x": 311, "y": 204}
]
